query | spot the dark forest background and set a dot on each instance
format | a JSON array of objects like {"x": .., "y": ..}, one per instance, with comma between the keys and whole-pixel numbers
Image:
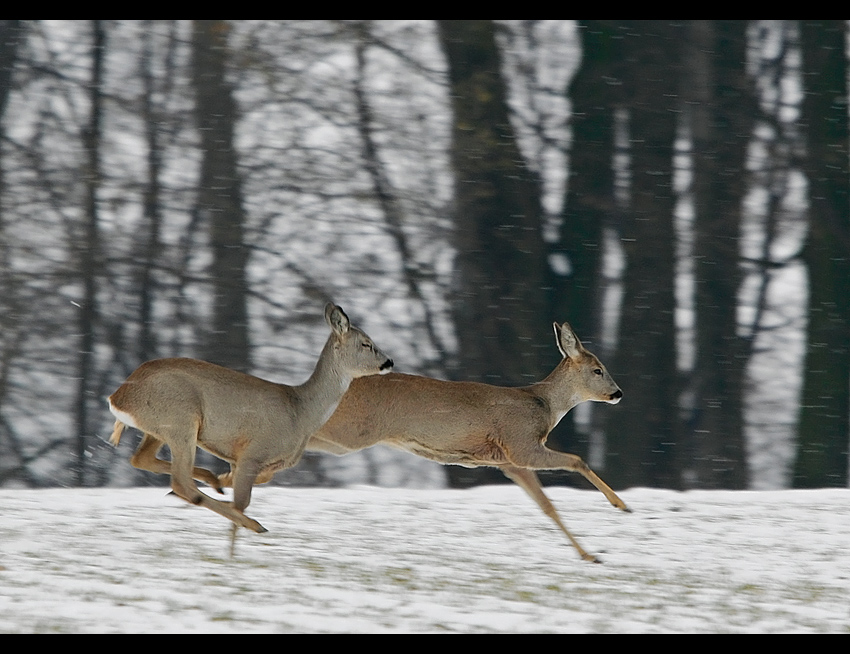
[{"x": 677, "y": 191}]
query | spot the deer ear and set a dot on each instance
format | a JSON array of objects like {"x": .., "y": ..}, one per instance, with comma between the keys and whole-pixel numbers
[
  {"x": 567, "y": 341},
  {"x": 337, "y": 319}
]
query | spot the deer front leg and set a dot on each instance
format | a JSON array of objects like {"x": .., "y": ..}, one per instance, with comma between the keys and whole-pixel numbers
[
  {"x": 243, "y": 476},
  {"x": 542, "y": 458},
  {"x": 528, "y": 481}
]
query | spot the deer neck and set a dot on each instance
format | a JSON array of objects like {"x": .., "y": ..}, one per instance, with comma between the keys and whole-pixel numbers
[
  {"x": 323, "y": 390},
  {"x": 559, "y": 391}
]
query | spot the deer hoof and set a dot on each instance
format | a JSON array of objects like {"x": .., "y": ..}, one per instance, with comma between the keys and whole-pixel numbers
[{"x": 253, "y": 525}]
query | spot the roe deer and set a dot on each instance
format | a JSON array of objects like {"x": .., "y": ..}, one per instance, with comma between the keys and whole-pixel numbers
[
  {"x": 473, "y": 424},
  {"x": 254, "y": 424}
]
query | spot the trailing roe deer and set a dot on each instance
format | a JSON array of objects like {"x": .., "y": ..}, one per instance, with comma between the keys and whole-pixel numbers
[
  {"x": 254, "y": 424},
  {"x": 473, "y": 424}
]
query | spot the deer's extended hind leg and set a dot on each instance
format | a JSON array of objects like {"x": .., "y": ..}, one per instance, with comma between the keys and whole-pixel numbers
[
  {"x": 266, "y": 475},
  {"x": 182, "y": 441},
  {"x": 542, "y": 458},
  {"x": 528, "y": 481},
  {"x": 144, "y": 458}
]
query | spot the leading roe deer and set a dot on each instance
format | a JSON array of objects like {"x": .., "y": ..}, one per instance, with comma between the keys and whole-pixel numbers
[
  {"x": 473, "y": 424},
  {"x": 254, "y": 424}
]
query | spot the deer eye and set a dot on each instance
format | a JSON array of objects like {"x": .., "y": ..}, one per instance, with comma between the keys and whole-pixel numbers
[{"x": 597, "y": 371}]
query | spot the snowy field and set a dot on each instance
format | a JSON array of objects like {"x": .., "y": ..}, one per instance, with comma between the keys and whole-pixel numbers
[{"x": 440, "y": 561}]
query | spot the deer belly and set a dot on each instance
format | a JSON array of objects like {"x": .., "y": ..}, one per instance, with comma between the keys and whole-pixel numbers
[{"x": 486, "y": 453}]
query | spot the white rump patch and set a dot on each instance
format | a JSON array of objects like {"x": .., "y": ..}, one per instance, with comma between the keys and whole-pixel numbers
[{"x": 124, "y": 417}]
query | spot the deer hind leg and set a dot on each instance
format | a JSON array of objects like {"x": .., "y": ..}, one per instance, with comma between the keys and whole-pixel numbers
[
  {"x": 528, "y": 481},
  {"x": 225, "y": 479},
  {"x": 182, "y": 440},
  {"x": 117, "y": 430},
  {"x": 542, "y": 458},
  {"x": 145, "y": 458}
]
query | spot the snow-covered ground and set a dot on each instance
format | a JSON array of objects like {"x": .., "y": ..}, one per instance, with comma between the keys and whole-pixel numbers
[{"x": 370, "y": 559}]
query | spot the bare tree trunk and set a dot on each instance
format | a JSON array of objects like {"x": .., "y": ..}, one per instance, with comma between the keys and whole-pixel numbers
[
  {"x": 500, "y": 306},
  {"x": 88, "y": 252},
  {"x": 589, "y": 203},
  {"x": 11, "y": 36},
  {"x": 722, "y": 109},
  {"x": 824, "y": 428},
  {"x": 153, "y": 118},
  {"x": 391, "y": 207},
  {"x": 220, "y": 195},
  {"x": 11, "y": 329},
  {"x": 641, "y": 434}
]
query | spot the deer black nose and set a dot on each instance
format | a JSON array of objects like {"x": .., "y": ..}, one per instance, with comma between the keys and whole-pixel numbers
[
  {"x": 386, "y": 365},
  {"x": 616, "y": 395}
]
